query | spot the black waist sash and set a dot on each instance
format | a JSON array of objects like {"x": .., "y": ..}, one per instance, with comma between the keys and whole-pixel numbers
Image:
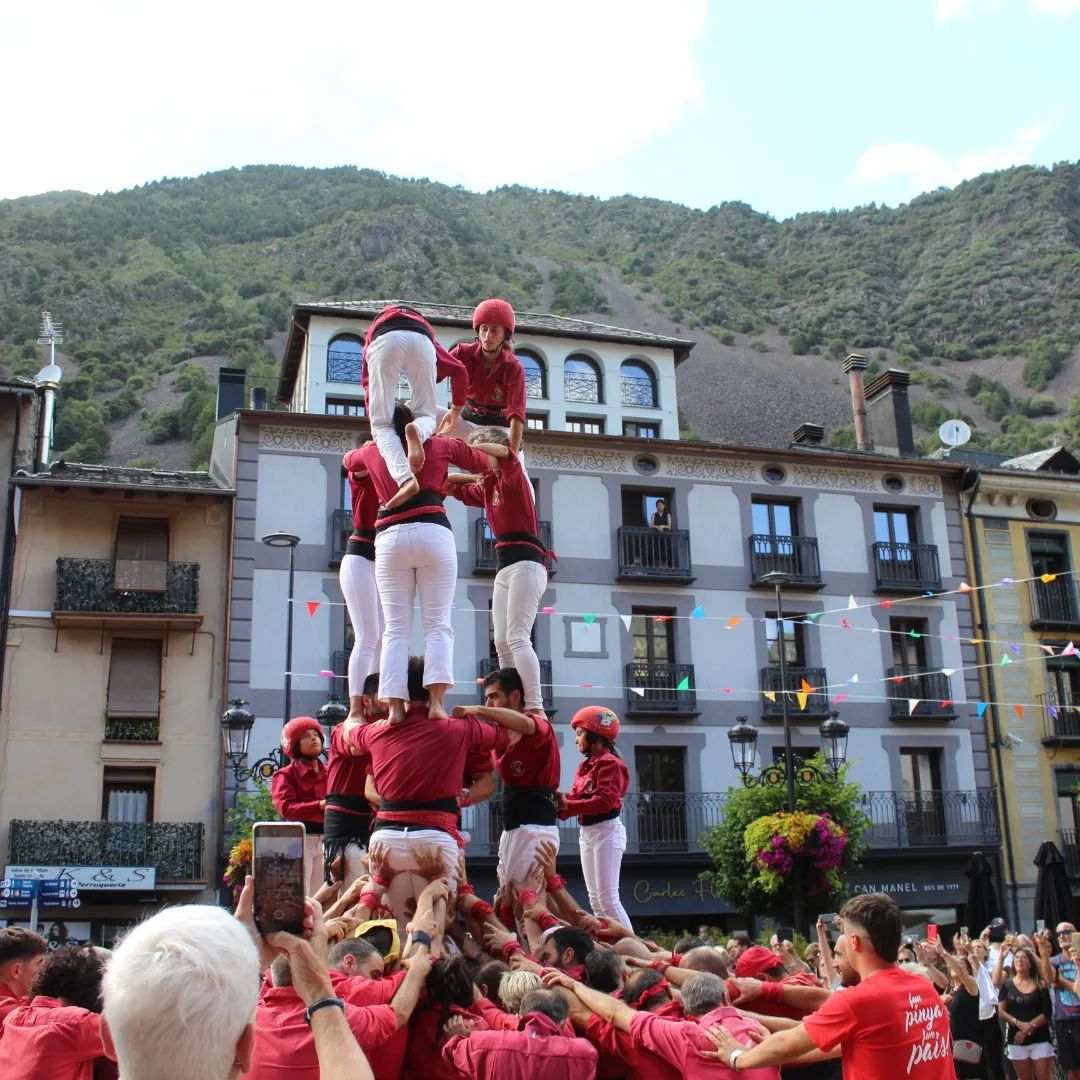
[
  {"x": 515, "y": 547},
  {"x": 362, "y": 545},
  {"x": 355, "y": 825},
  {"x": 432, "y": 499},
  {"x": 595, "y": 819},
  {"x": 484, "y": 418},
  {"x": 528, "y": 806},
  {"x": 401, "y": 322}
]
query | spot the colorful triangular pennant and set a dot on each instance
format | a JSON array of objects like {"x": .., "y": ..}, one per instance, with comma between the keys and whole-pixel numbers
[
  {"x": 912, "y": 704},
  {"x": 313, "y": 606}
]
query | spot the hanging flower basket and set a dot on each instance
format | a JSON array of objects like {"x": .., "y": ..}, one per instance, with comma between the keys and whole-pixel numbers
[
  {"x": 239, "y": 866},
  {"x": 778, "y": 843}
]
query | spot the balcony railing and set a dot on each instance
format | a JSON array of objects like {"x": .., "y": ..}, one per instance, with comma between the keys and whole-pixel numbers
[
  {"x": 930, "y": 818},
  {"x": 487, "y": 666},
  {"x": 342, "y": 365},
  {"x": 1054, "y": 604},
  {"x": 638, "y": 390},
  {"x": 930, "y": 688},
  {"x": 817, "y": 703},
  {"x": 534, "y": 385},
  {"x": 796, "y": 556},
  {"x": 654, "y": 554},
  {"x": 143, "y": 729},
  {"x": 581, "y": 389},
  {"x": 173, "y": 848},
  {"x": 1061, "y": 716},
  {"x": 87, "y": 585},
  {"x": 1070, "y": 848},
  {"x": 655, "y": 688},
  {"x": 485, "y": 559},
  {"x": 906, "y": 567},
  {"x": 339, "y": 665},
  {"x": 341, "y": 527}
]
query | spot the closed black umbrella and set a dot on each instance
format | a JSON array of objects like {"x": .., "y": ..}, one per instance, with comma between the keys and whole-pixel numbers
[
  {"x": 1053, "y": 897},
  {"x": 982, "y": 902}
]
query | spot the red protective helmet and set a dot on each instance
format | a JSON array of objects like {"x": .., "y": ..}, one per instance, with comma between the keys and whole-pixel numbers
[
  {"x": 292, "y": 732},
  {"x": 597, "y": 719},
  {"x": 494, "y": 312}
]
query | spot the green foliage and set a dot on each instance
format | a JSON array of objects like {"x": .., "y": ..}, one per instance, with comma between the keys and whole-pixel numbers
[
  {"x": 79, "y": 433},
  {"x": 1045, "y": 357},
  {"x": 251, "y": 806},
  {"x": 758, "y": 345},
  {"x": 732, "y": 875},
  {"x": 576, "y": 292}
]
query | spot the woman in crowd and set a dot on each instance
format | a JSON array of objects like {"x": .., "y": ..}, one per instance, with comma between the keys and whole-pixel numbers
[{"x": 1025, "y": 1007}]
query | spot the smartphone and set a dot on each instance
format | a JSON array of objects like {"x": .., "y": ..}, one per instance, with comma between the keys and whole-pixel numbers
[
  {"x": 278, "y": 861},
  {"x": 1040, "y": 925},
  {"x": 931, "y": 932},
  {"x": 785, "y": 933},
  {"x": 963, "y": 931}
]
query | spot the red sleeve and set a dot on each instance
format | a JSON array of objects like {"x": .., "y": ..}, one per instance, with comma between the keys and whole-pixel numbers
[
  {"x": 371, "y": 1025},
  {"x": 610, "y": 788},
  {"x": 486, "y": 737},
  {"x": 477, "y": 764},
  {"x": 290, "y": 806},
  {"x": 448, "y": 366},
  {"x": 515, "y": 392},
  {"x": 833, "y": 1022},
  {"x": 83, "y": 1036},
  {"x": 471, "y": 495},
  {"x": 353, "y": 460},
  {"x": 665, "y": 1038},
  {"x": 465, "y": 457},
  {"x": 493, "y": 1016},
  {"x": 360, "y": 990},
  {"x": 456, "y": 1052}
]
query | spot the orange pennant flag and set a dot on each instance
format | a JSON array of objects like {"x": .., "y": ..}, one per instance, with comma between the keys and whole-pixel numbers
[
  {"x": 800, "y": 697},
  {"x": 733, "y": 622},
  {"x": 313, "y": 606},
  {"x": 964, "y": 587},
  {"x": 1019, "y": 710}
]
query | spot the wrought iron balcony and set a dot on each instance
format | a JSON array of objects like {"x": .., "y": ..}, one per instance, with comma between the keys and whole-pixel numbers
[
  {"x": 638, "y": 390},
  {"x": 173, "y": 848},
  {"x": 143, "y": 729},
  {"x": 485, "y": 667},
  {"x": 796, "y": 556},
  {"x": 88, "y": 586},
  {"x": 1069, "y": 842},
  {"x": 485, "y": 559},
  {"x": 581, "y": 388},
  {"x": 930, "y": 688},
  {"x": 341, "y": 527},
  {"x": 930, "y": 818},
  {"x": 656, "y": 822},
  {"x": 906, "y": 567},
  {"x": 1054, "y": 605},
  {"x": 1061, "y": 717},
  {"x": 817, "y": 701},
  {"x": 534, "y": 385},
  {"x": 339, "y": 665},
  {"x": 654, "y": 554},
  {"x": 343, "y": 366},
  {"x": 654, "y": 688}
]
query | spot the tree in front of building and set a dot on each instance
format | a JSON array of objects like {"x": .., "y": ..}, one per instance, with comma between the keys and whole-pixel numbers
[
  {"x": 759, "y": 850},
  {"x": 251, "y": 806}
]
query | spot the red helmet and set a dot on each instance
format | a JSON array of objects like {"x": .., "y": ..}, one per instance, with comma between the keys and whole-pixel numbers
[
  {"x": 292, "y": 732},
  {"x": 597, "y": 719},
  {"x": 494, "y": 312}
]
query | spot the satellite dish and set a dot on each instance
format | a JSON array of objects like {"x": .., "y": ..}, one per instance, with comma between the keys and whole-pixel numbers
[{"x": 954, "y": 433}]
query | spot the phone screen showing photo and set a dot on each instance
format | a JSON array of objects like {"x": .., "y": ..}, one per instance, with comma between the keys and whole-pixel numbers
[{"x": 279, "y": 877}]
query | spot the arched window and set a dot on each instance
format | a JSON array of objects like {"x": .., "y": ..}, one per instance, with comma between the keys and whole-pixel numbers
[
  {"x": 343, "y": 359},
  {"x": 638, "y": 385},
  {"x": 582, "y": 381},
  {"x": 535, "y": 373}
]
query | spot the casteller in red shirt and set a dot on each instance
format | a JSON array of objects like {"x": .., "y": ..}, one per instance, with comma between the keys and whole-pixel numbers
[
  {"x": 600, "y": 784},
  {"x": 387, "y": 1060},
  {"x": 365, "y": 506},
  {"x": 298, "y": 791},
  {"x": 541, "y": 1049},
  {"x": 50, "y": 1039},
  {"x": 496, "y": 389},
  {"x": 891, "y": 1024},
  {"x": 533, "y": 761}
]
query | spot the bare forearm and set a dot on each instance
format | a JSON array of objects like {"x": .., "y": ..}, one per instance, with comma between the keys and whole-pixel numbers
[
  {"x": 340, "y": 1056},
  {"x": 507, "y": 718},
  {"x": 517, "y": 433},
  {"x": 605, "y": 1006},
  {"x": 408, "y": 993},
  {"x": 778, "y": 1048}
]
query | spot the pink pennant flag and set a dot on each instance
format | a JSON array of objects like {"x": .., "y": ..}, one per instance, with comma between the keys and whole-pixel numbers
[
  {"x": 845, "y": 624},
  {"x": 963, "y": 587},
  {"x": 887, "y": 603},
  {"x": 312, "y": 606},
  {"x": 837, "y": 698},
  {"x": 549, "y": 610},
  {"x": 1048, "y": 649},
  {"x": 326, "y": 674},
  {"x": 946, "y": 704},
  {"x": 729, "y": 690},
  {"x": 1070, "y": 650}
]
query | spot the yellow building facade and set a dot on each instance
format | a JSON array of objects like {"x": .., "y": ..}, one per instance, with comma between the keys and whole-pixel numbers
[{"x": 110, "y": 744}]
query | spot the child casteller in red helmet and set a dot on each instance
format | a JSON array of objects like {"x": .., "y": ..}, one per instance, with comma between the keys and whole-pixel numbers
[
  {"x": 600, "y": 784},
  {"x": 299, "y": 790}
]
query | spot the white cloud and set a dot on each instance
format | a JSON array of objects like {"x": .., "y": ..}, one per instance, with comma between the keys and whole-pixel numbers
[
  {"x": 1060, "y": 8},
  {"x": 948, "y": 10},
  {"x": 925, "y": 168},
  {"x": 951, "y": 10},
  {"x": 480, "y": 93}
]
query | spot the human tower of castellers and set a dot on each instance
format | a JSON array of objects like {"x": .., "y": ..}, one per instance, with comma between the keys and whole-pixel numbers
[{"x": 402, "y": 969}]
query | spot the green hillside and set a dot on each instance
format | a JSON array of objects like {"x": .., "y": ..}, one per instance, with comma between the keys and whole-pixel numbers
[{"x": 150, "y": 281}]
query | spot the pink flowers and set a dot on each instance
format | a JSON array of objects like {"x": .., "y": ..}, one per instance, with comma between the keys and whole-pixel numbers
[{"x": 774, "y": 844}]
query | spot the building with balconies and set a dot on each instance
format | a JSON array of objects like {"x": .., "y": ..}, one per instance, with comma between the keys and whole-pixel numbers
[
  {"x": 670, "y": 627},
  {"x": 110, "y": 744}
]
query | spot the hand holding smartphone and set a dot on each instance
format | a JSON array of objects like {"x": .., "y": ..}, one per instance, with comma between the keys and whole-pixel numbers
[
  {"x": 278, "y": 870},
  {"x": 932, "y": 933}
]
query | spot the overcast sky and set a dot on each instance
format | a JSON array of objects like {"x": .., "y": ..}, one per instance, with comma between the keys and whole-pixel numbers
[{"x": 788, "y": 105}]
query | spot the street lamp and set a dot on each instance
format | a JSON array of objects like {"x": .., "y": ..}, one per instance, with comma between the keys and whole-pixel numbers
[
  {"x": 286, "y": 540},
  {"x": 778, "y": 579},
  {"x": 236, "y": 724},
  {"x": 332, "y": 713}
]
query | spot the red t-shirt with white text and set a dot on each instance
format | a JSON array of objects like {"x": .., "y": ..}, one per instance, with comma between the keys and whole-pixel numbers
[{"x": 892, "y": 1024}]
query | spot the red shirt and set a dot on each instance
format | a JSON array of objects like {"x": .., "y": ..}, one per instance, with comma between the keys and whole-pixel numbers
[
  {"x": 617, "y": 1046},
  {"x": 506, "y": 496},
  {"x": 345, "y": 772},
  {"x": 49, "y": 1039},
  {"x": 423, "y": 1058},
  {"x": 439, "y": 452},
  {"x": 891, "y": 1024},
  {"x": 387, "y": 1060},
  {"x": 447, "y": 366},
  {"x": 533, "y": 761},
  {"x": 771, "y": 1001},
  {"x": 284, "y": 1044},
  {"x": 498, "y": 388},
  {"x": 365, "y": 500},
  {"x": 678, "y": 1042},
  {"x": 540, "y": 1049},
  {"x": 421, "y": 760},
  {"x": 298, "y": 789},
  {"x": 600, "y": 783},
  {"x": 9, "y": 1002}
]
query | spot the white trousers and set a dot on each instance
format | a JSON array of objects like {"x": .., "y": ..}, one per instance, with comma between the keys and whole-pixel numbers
[
  {"x": 406, "y": 884},
  {"x": 517, "y": 849},
  {"x": 515, "y": 601},
  {"x": 415, "y": 558},
  {"x": 357, "y": 578},
  {"x": 602, "y": 846},
  {"x": 387, "y": 357}
]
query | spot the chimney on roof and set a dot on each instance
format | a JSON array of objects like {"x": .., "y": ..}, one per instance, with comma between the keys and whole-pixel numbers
[
  {"x": 811, "y": 435},
  {"x": 258, "y": 398},
  {"x": 230, "y": 390},
  {"x": 855, "y": 365},
  {"x": 890, "y": 413}
]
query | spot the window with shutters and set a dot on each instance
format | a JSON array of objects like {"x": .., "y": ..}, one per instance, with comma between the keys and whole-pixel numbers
[
  {"x": 142, "y": 555},
  {"x": 134, "y": 679},
  {"x": 127, "y": 795}
]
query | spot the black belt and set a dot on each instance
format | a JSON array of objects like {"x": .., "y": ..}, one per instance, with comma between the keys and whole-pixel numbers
[
  {"x": 340, "y": 800},
  {"x": 400, "y": 322},
  {"x": 485, "y": 419},
  {"x": 528, "y": 806},
  {"x": 346, "y": 827},
  {"x": 595, "y": 819},
  {"x": 515, "y": 547},
  {"x": 364, "y": 548},
  {"x": 432, "y": 499},
  {"x": 420, "y": 499}
]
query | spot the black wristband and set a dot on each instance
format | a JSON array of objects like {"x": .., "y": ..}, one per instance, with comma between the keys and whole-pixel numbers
[
  {"x": 322, "y": 1003},
  {"x": 421, "y": 937}
]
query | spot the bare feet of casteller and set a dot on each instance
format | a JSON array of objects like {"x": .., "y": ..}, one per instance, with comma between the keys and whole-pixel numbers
[{"x": 415, "y": 447}]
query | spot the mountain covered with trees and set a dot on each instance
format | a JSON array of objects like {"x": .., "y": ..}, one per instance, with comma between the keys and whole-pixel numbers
[{"x": 975, "y": 290}]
